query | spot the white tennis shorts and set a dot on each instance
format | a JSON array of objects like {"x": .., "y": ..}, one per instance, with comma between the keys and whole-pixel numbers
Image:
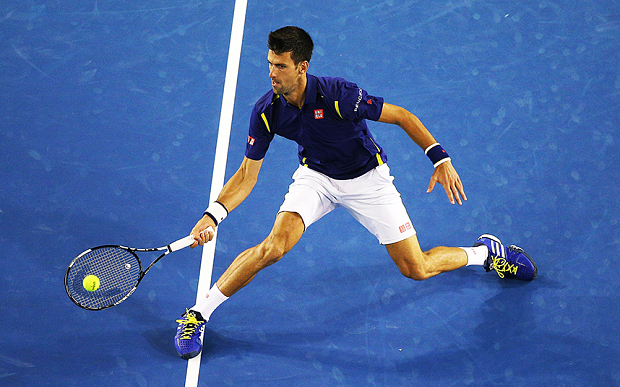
[{"x": 372, "y": 199}]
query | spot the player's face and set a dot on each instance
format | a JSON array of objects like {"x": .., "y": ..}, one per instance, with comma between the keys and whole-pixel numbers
[{"x": 286, "y": 78}]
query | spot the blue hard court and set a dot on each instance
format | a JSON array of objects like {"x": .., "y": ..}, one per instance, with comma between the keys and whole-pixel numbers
[{"x": 109, "y": 114}]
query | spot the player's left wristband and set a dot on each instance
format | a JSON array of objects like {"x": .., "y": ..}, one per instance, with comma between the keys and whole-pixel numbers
[
  {"x": 216, "y": 211},
  {"x": 437, "y": 154}
]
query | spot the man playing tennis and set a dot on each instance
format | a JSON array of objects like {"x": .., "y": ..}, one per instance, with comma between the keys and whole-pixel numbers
[{"x": 341, "y": 165}]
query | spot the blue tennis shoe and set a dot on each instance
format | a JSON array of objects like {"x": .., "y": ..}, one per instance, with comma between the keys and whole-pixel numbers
[
  {"x": 510, "y": 262},
  {"x": 187, "y": 339}
]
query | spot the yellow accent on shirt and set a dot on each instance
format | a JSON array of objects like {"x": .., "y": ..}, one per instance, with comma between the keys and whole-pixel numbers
[
  {"x": 266, "y": 123},
  {"x": 379, "y": 159},
  {"x": 337, "y": 108},
  {"x": 378, "y": 154}
]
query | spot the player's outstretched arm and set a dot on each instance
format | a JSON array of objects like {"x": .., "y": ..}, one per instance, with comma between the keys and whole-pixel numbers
[
  {"x": 444, "y": 174},
  {"x": 239, "y": 186},
  {"x": 235, "y": 191},
  {"x": 414, "y": 128}
]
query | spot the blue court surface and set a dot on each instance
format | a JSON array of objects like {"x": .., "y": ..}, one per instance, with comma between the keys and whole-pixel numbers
[{"x": 109, "y": 113}]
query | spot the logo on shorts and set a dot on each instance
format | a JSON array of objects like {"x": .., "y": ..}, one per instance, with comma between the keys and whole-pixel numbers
[
  {"x": 251, "y": 140},
  {"x": 405, "y": 227},
  {"x": 318, "y": 114}
]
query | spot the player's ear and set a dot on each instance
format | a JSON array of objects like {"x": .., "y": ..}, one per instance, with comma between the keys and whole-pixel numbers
[{"x": 303, "y": 66}]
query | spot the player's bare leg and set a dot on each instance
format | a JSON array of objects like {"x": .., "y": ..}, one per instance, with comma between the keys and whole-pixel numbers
[
  {"x": 286, "y": 232},
  {"x": 418, "y": 265}
]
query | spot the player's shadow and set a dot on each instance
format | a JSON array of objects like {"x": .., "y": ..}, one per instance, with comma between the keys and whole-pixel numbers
[
  {"x": 214, "y": 344},
  {"x": 508, "y": 315},
  {"x": 509, "y": 342}
]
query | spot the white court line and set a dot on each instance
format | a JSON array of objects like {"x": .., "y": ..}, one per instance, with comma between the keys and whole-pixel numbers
[{"x": 219, "y": 166}]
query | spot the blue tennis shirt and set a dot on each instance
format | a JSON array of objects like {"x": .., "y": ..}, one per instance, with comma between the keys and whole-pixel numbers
[{"x": 330, "y": 128}]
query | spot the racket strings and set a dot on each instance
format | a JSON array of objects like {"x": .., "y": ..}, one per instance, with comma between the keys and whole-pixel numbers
[{"x": 118, "y": 271}]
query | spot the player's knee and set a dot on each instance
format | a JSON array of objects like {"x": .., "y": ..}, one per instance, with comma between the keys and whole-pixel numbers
[
  {"x": 272, "y": 250},
  {"x": 414, "y": 269},
  {"x": 415, "y": 273}
]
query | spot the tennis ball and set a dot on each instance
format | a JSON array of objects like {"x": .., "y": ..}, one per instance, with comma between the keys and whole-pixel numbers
[{"x": 91, "y": 283}]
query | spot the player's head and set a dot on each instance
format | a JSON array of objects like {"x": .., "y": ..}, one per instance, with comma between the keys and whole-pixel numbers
[
  {"x": 293, "y": 40},
  {"x": 290, "y": 50}
]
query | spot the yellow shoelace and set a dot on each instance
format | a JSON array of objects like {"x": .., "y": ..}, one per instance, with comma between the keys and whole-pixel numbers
[
  {"x": 190, "y": 323},
  {"x": 501, "y": 266}
]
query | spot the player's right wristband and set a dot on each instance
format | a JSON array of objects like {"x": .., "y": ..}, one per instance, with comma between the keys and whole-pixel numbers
[
  {"x": 217, "y": 212},
  {"x": 437, "y": 154}
]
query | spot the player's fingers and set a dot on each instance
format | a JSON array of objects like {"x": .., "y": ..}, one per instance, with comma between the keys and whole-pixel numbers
[
  {"x": 457, "y": 196},
  {"x": 461, "y": 189},
  {"x": 204, "y": 238},
  {"x": 210, "y": 233},
  {"x": 206, "y": 235},
  {"x": 195, "y": 240},
  {"x": 431, "y": 186},
  {"x": 450, "y": 194},
  {"x": 457, "y": 191}
]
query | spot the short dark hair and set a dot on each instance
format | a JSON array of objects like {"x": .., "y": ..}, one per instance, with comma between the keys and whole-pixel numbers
[{"x": 294, "y": 40}]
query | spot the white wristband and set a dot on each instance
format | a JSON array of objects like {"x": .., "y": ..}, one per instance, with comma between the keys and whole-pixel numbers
[
  {"x": 441, "y": 162},
  {"x": 430, "y": 147},
  {"x": 217, "y": 212},
  {"x": 437, "y": 154}
]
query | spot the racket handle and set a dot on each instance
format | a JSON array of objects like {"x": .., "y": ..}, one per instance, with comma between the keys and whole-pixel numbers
[
  {"x": 181, "y": 243},
  {"x": 187, "y": 241}
]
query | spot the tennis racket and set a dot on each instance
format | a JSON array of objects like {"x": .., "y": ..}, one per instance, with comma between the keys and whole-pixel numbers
[{"x": 119, "y": 270}]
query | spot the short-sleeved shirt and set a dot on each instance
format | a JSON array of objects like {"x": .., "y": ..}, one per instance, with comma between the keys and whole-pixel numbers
[{"x": 330, "y": 129}]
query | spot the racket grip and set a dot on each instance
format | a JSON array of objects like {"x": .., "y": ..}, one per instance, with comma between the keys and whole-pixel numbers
[
  {"x": 181, "y": 243},
  {"x": 187, "y": 241}
]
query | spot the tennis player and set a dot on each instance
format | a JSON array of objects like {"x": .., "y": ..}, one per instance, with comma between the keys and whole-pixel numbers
[{"x": 340, "y": 165}]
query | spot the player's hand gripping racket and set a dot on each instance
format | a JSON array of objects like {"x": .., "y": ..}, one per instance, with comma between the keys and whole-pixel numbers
[{"x": 118, "y": 270}]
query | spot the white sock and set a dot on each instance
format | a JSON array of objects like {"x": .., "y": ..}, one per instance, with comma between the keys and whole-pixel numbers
[
  {"x": 476, "y": 256},
  {"x": 212, "y": 300}
]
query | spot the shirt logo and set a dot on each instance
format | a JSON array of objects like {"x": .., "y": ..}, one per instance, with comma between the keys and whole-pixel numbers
[
  {"x": 405, "y": 227},
  {"x": 359, "y": 99},
  {"x": 251, "y": 140},
  {"x": 318, "y": 114}
]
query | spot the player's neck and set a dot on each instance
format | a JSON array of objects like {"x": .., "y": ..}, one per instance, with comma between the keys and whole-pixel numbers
[{"x": 297, "y": 97}]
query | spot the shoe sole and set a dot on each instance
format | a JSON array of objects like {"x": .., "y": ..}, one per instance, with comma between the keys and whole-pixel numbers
[{"x": 188, "y": 356}]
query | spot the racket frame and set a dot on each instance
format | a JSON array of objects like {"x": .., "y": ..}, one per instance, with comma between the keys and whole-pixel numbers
[{"x": 174, "y": 246}]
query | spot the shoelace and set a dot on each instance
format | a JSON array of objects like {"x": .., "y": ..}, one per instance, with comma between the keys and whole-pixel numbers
[
  {"x": 189, "y": 325},
  {"x": 501, "y": 266}
]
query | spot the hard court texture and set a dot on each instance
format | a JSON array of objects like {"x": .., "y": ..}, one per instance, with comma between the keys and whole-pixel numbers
[{"x": 109, "y": 114}]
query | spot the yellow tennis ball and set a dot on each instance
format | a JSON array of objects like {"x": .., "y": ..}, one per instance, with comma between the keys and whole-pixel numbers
[{"x": 91, "y": 283}]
